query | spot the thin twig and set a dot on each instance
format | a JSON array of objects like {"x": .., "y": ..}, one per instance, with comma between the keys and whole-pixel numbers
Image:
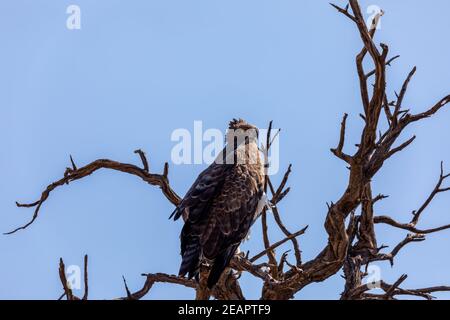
[{"x": 279, "y": 243}]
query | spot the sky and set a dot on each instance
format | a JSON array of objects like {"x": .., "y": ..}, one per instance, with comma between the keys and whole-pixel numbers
[{"x": 138, "y": 70}]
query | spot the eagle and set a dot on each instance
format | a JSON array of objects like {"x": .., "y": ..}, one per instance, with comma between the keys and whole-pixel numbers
[{"x": 222, "y": 204}]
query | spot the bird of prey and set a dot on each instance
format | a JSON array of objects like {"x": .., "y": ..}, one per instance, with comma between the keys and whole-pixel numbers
[{"x": 222, "y": 204}]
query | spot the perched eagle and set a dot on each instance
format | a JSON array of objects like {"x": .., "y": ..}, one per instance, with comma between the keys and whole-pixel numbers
[{"x": 222, "y": 204}]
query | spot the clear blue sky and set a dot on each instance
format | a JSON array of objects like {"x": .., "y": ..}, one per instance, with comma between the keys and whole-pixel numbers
[{"x": 138, "y": 70}]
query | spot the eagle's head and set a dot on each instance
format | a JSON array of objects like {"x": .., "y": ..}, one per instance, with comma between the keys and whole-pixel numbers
[
  {"x": 241, "y": 144},
  {"x": 240, "y": 124},
  {"x": 243, "y": 131}
]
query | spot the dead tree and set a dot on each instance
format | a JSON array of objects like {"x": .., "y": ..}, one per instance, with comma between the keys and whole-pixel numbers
[{"x": 351, "y": 246}]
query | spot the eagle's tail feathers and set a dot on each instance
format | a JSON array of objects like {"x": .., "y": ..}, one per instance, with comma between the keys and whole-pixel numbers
[
  {"x": 176, "y": 213},
  {"x": 220, "y": 263},
  {"x": 190, "y": 261}
]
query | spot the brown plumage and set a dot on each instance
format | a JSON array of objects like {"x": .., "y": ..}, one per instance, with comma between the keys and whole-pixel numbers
[{"x": 222, "y": 204}]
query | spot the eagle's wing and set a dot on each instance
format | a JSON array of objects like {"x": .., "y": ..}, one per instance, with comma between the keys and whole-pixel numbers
[
  {"x": 218, "y": 220},
  {"x": 195, "y": 208},
  {"x": 200, "y": 194},
  {"x": 234, "y": 212}
]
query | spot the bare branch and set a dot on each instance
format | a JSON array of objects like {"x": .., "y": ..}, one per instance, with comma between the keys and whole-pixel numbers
[
  {"x": 143, "y": 159},
  {"x": 400, "y": 147},
  {"x": 388, "y": 113},
  {"x": 366, "y": 162},
  {"x": 441, "y": 103},
  {"x": 390, "y": 256},
  {"x": 388, "y": 63},
  {"x": 68, "y": 293},
  {"x": 408, "y": 226},
  {"x": 73, "y": 175},
  {"x": 390, "y": 292},
  {"x": 280, "y": 188},
  {"x": 129, "y": 295},
  {"x": 62, "y": 276},
  {"x": 379, "y": 197},
  {"x": 86, "y": 282},
  {"x": 437, "y": 189},
  {"x": 344, "y": 11},
  {"x": 423, "y": 292},
  {"x": 401, "y": 96},
  {"x": 277, "y": 196},
  {"x": 74, "y": 167},
  {"x": 297, "y": 252},
  {"x": 270, "y": 253},
  {"x": 240, "y": 263},
  {"x": 279, "y": 243},
  {"x": 338, "y": 151},
  {"x": 151, "y": 279},
  {"x": 394, "y": 290}
]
